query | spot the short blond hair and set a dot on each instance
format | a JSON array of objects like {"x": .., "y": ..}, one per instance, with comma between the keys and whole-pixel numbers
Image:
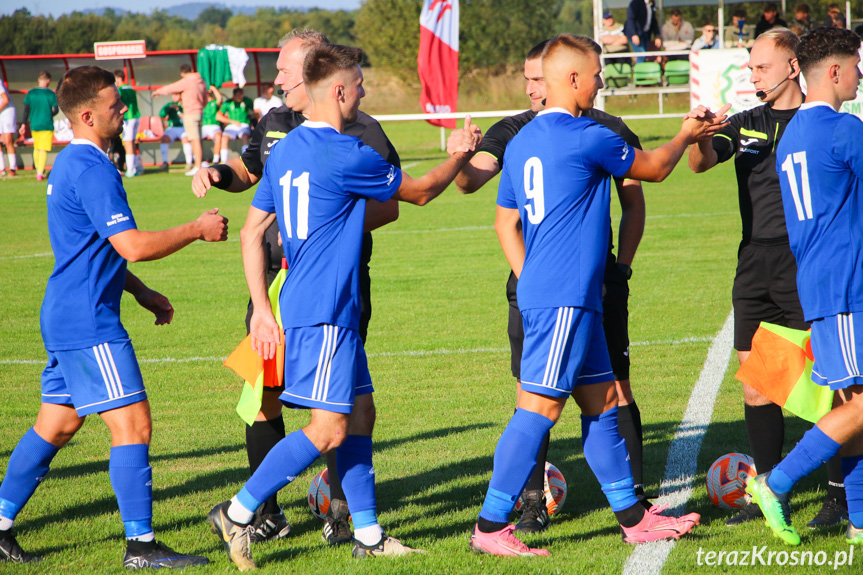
[
  {"x": 310, "y": 38},
  {"x": 580, "y": 44},
  {"x": 782, "y": 38}
]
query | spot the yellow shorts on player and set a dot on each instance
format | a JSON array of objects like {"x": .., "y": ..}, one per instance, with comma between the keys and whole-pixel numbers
[
  {"x": 325, "y": 368},
  {"x": 563, "y": 348},
  {"x": 43, "y": 140},
  {"x": 94, "y": 379}
]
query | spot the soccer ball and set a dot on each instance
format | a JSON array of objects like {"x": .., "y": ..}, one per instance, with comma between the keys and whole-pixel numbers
[
  {"x": 319, "y": 494},
  {"x": 727, "y": 479},
  {"x": 555, "y": 490}
]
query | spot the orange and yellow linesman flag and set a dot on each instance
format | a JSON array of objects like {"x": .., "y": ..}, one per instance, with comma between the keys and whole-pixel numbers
[
  {"x": 257, "y": 372},
  {"x": 780, "y": 368}
]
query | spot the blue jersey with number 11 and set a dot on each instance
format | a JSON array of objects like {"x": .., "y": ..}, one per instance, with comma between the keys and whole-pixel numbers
[
  {"x": 557, "y": 173},
  {"x": 820, "y": 165},
  {"x": 316, "y": 181}
]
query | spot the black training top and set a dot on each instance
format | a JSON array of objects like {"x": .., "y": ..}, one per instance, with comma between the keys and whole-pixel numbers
[
  {"x": 752, "y": 137},
  {"x": 274, "y": 126}
]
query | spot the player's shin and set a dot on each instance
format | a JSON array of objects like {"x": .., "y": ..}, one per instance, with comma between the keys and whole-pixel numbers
[
  {"x": 354, "y": 467},
  {"x": 514, "y": 460},
  {"x": 605, "y": 452},
  {"x": 132, "y": 480},
  {"x": 289, "y": 458},
  {"x": 27, "y": 468}
]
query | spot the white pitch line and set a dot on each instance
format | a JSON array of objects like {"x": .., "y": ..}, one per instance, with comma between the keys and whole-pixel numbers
[
  {"x": 404, "y": 353},
  {"x": 681, "y": 466}
]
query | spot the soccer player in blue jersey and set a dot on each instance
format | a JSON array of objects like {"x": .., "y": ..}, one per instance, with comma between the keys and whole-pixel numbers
[
  {"x": 91, "y": 364},
  {"x": 820, "y": 165},
  {"x": 315, "y": 184},
  {"x": 559, "y": 194}
]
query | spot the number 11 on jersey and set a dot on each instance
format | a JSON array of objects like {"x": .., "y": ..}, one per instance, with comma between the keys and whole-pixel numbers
[
  {"x": 301, "y": 183},
  {"x": 788, "y": 168}
]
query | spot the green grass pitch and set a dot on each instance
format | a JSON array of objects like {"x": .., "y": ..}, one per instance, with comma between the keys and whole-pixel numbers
[{"x": 439, "y": 357}]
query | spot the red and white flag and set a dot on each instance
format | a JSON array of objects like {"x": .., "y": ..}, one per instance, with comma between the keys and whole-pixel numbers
[{"x": 438, "y": 59}]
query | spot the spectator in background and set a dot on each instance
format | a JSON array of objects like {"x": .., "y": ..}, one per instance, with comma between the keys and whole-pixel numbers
[
  {"x": 211, "y": 129},
  {"x": 677, "y": 33},
  {"x": 612, "y": 37},
  {"x": 8, "y": 131},
  {"x": 834, "y": 17},
  {"x": 708, "y": 40},
  {"x": 131, "y": 123},
  {"x": 769, "y": 20},
  {"x": 236, "y": 115},
  {"x": 641, "y": 26},
  {"x": 268, "y": 101},
  {"x": 40, "y": 107},
  {"x": 171, "y": 115},
  {"x": 802, "y": 19},
  {"x": 736, "y": 35},
  {"x": 193, "y": 95}
]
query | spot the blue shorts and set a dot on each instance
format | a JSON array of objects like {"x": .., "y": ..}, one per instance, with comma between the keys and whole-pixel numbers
[
  {"x": 563, "y": 348},
  {"x": 325, "y": 367},
  {"x": 834, "y": 345},
  {"x": 95, "y": 379}
]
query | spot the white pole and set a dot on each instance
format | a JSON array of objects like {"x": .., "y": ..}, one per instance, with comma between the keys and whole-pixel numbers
[
  {"x": 720, "y": 17},
  {"x": 442, "y": 139}
]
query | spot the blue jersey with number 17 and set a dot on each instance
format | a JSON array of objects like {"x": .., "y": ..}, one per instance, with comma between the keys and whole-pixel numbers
[
  {"x": 557, "y": 173},
  {"x": 316, "y": 181},
  {"x": 820, "y": 165}
]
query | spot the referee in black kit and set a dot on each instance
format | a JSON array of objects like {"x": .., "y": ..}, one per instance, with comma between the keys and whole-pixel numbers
[
  {"x": 765, "y": 287},
  {"x": 238, "y": 175}
]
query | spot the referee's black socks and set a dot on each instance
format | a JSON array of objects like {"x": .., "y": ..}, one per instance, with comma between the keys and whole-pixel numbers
[
  {"x": 765, "y": 427},
  {"x": 261, "y": 437}
]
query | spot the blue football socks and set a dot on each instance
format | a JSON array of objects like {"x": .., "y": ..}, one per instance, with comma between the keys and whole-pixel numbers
[
  {"x": 514, "y": 460},
  {"x": 852, "y": 469},
  {"x": 606, "y": 454},
  {"x": 810, "y": 453},
  {"x": 132, "y": 480},
  {"x": 27, "y": 468},
  {"x": 290, "y": 457},
  {"x": 354, "y": 465}
]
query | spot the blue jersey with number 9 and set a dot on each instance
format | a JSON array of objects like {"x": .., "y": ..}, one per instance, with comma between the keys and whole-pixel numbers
[
  {"x": 557, "y": 173},
  {"x": 820, "y": 165},
  {"x": 316, "y": 181}
]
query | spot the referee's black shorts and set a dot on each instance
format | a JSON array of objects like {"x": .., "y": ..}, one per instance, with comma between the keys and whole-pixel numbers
[
  {"x": 274, "y": 264},
  {"x": 615, "y": 322},
  {"x": 765, "y": 289}
]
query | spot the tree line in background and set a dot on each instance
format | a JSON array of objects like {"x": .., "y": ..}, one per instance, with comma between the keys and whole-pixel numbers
[{"x": 494, "y": 34}]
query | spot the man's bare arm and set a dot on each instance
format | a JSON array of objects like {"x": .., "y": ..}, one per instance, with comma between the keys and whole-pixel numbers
[
  {"x": 507, "y": 225},
  {"x": 481, "y": 168},
  {"x": 136, "y": 245},
  {"x": 263, "y": 328},
  {"x": 379, "y": 214},
  {"x": 240, "y": 178},
  {"x": 632, "y": 216},
  {"x": 702, "y": 157}
]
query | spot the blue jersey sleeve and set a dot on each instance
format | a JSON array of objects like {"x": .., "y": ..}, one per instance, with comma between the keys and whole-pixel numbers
[
  {"x": 505, "y": 191},
  {"x": 606, "y": 150},
  {"x": 847, "y": 144},
  {"x": 101, "y": 193},
  {"x": 367, "y": 174},
  {"x": 264, "y": 199}
]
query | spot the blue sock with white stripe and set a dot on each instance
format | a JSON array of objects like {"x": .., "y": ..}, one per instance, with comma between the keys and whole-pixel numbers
[
  {"x": 514, "y": 460},
  {"x": 606, "y": 454},
  {"x": 132, "y": 480},
  {"x": 27, "y": 468},
  {"x": 354, "y": 465},
  {"x": 813, "y": 450},
  {"x": 290, "y": 457},
  {"x": 852, "y": 469}
]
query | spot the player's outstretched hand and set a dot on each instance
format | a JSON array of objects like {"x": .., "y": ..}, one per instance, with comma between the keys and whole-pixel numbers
[
  {"x": 156, "y": 303},
  {"x": 204, "y": 180},
  {"x": 465, "y": 140},
  {"x": 702, "y": 124},
  {"x": 214, "y": 227},
  {"x": 266, "y": 334}
]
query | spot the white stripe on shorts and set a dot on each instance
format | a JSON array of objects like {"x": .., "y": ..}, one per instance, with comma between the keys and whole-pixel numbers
[
  {"x": 845, "y": 327},
  {"x": 106, "y": 375},
  {"x": 322, "y": 374},
  {"x": 558, "y": 343}
]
